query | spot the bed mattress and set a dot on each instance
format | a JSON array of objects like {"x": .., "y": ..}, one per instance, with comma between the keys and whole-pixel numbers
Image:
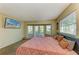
[{"x": 42, "y": 46}]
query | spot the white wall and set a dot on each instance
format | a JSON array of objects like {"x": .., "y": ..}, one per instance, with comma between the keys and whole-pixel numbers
[{"x": 10, "y": 36}]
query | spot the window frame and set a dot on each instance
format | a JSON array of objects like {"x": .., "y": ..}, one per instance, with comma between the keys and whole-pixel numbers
[
  {"x": 67, "y": 25},
  {"x": 39, "y": 28}
]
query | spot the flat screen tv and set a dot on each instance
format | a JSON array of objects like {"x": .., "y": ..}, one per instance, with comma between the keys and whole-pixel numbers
[{"x": 12, "y": 23}]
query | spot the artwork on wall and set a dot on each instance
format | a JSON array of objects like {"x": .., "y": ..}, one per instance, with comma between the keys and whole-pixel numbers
[{"x": 12, "y": 23}]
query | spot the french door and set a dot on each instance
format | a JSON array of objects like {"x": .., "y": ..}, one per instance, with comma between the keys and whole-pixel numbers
[
  {"x": 48, "y": 29},
  {"x": 30, "y": 31},
  {"x": 41, "y": 30},
  {"x": 38, "y": 30}
]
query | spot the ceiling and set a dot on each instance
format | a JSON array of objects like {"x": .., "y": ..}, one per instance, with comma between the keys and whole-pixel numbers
[{"x": 33, "y": 11}]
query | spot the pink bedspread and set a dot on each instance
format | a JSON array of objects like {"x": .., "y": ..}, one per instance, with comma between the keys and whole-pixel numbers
[{"x": 42, "y": 46}]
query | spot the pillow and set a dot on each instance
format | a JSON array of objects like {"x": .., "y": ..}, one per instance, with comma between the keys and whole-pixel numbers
[
  {"x": 71, "y": 45},
  {"x": 59, "y": 38},
  {"x": 63, "y": 43},
  {"x": 55, "y": 37}
]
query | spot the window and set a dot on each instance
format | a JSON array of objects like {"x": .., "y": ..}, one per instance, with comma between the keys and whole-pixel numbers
[
  {"x": 38, "y": 30},
  {"x": 68, "y": 24},
  {"x": 30, "y": 31},
  {"x": 41, "y": 30},
  {"x": 48, "y": 29}
]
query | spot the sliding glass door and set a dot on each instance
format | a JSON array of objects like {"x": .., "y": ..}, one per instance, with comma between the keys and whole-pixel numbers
[{"x": 38, "y": 30}]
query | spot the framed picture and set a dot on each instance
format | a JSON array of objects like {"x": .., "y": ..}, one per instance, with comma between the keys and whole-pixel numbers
[{"x": 12, "y": 23}]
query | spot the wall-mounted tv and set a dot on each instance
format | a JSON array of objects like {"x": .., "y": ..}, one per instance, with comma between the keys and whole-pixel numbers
[{"x": 12, "y": 23}]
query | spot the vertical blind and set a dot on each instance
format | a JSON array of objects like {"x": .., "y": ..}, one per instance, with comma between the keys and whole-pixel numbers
[{"x": 68, "y": 24}]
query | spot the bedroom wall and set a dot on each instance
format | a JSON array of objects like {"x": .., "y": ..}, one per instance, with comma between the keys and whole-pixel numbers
[
  {"x": 71, "y": 8},
  {"x": 9, "y": 36},
  {"x": 53, "y": 22}
]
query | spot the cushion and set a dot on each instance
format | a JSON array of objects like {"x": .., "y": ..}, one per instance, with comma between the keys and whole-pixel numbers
[
  {"x": 63, "y": 43},
  {"x": 59, "y": 38},
  {"x": 55, "y": 37},
  {"x": 71, "y": 45}
]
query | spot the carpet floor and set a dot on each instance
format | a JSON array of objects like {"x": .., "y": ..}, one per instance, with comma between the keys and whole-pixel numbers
[{"x": 11, "y": 50}]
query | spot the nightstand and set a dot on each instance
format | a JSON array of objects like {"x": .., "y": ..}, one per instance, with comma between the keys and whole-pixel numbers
[{"x": 76, "y": 47}]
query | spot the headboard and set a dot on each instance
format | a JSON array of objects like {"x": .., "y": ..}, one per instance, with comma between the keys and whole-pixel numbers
[{"x": 69, "y": 36}]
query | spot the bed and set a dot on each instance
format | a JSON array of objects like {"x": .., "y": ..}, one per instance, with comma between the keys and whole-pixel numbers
[{"x": 42, "y": 46}]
